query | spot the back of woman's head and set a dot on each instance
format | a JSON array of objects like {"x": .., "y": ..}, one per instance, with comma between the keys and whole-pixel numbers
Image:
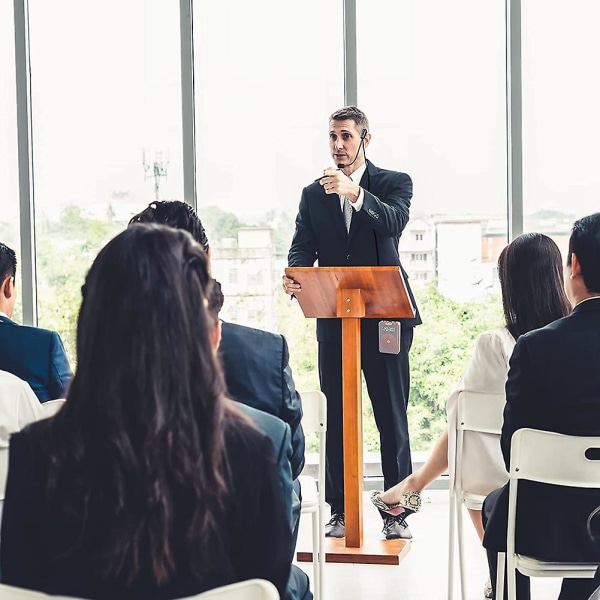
[
  {"x": 139, "y": 446},
  {"x": 531, "y": 277}
]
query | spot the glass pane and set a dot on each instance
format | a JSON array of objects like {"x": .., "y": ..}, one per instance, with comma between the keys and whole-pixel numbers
[
  {"x": 107, "y": 133},
  {"x": 561, "y": 121},
  {"x": 9, "y": 174},
  {"x": 433, "y": 87},
  {"x": 265, "y": 86}
]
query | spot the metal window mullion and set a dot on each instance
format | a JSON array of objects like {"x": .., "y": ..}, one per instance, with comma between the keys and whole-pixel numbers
[
  {"x": 350, "y": 62},
  {"x": 514, "y": 119},
  {"x": 25, "y": 163},
  {"x": 188, "y": 121}
]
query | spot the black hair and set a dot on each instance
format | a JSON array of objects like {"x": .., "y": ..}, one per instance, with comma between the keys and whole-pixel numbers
[
  {"x": 8, "y": 262},
  {"x": 531, "y": 278},
  {"x": 585, "y": 243},
  {"x": 174, "y": 213}
]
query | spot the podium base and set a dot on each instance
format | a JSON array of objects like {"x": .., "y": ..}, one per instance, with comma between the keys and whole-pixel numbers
[{"x": 374, "y": 551}]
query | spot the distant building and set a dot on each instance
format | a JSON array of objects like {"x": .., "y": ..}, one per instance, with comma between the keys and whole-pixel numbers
[
  {"x": 417, "y": 251},
  {"x": 247, "y": 270}
]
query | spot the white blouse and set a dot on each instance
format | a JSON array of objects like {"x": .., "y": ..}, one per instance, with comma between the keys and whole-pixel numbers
[{"x": 483, "y": 467}]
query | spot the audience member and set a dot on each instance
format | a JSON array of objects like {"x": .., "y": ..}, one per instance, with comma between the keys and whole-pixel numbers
[
  {"x": 32, "y": 354},
  {"x": 148, "y": 483},
  {"x": 554, "y": 385},
  {"x": 531, "y": 279},
  {"x": 260, "y": 379}
]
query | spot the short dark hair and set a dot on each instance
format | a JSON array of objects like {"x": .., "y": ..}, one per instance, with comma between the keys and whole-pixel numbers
[
  {"x": 174, "y": 213},
  {"x": 531, "y": 277},
  {"x": 351, "y": 112},
  {"x": 585, "y": 243},
  {"x": 8, "y": 262}
]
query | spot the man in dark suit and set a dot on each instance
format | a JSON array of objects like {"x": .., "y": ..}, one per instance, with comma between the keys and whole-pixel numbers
[
  {"x": 354, "y": 216},
  {"x": 256, "y": 363},
  {"x": 554, "y": 385},
  {"x": 35, "y": 355}
]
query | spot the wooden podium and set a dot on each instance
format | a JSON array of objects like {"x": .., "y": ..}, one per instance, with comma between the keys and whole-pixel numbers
[{"x": 350, "y": 294}]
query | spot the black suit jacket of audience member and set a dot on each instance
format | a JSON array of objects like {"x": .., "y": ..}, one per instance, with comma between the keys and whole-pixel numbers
[
  {"x": 372, "y": 240},
  {"x": 258, "y": 374},
  {"x": 554, "y": 385}
]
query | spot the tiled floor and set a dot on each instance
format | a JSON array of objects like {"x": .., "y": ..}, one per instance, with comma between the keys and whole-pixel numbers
[{"x": 423, "y": 573}]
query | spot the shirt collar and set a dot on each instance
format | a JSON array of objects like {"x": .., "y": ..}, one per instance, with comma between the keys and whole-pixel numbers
[
  {"x": 357, "y": 175},
  {"x": 581, "y": 302}
]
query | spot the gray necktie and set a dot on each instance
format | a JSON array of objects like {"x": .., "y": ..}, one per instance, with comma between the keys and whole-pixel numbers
[{"x": 348, "y": 210}]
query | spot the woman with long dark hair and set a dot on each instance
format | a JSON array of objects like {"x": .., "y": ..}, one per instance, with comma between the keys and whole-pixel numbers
[
  {"x": 531, "y": 280},
  {"x": 148, "y": 483}
]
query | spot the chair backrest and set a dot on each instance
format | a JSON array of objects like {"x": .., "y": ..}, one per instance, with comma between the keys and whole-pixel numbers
[
  {"x": 51, "y": 407},
  {"x": 314, "y": 411},
  {"x": 252, "y": 589},
  {"x": 9, "y": 592},
  {"x": 549, "y": 457},
  {"x": 480, "y": 412}
]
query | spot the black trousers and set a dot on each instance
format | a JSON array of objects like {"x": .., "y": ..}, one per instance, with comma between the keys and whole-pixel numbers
[
  {"x": 388, "y": 382},
  {"x": 572, "y": 589}
]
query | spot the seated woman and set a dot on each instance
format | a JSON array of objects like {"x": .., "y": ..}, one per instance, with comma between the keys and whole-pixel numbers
[
  {"x": 148, "y": 483},
  {"x": 531, "y": 279}
]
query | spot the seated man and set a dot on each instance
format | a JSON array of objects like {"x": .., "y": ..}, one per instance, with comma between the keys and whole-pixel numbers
[
  {"x": 35, "y": 355},
  {"x": 262, "y": 380},
  {"x": 554, "y": 385}
]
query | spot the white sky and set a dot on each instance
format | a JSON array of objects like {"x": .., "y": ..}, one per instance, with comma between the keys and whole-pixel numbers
[{"x": 106, "y": 85}]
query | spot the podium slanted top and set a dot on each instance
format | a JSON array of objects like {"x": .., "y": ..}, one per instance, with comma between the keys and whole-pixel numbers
[{"x": 382, "y": 289}]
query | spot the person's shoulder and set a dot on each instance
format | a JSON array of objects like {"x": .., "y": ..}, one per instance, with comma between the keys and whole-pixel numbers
[
  {"x": 387, "y": 173},
  {"x": 545, "y": 335},
  {"x": 37, "y": 332},
  {"x": 258, "y": 336}
]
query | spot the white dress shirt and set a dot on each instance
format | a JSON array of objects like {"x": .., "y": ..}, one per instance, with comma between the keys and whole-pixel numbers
[{"x": 356, "y": 177}]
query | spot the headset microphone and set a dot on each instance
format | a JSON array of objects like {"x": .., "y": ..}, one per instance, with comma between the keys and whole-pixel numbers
[
  {"x": 363, "y": 135},
  {"x": 340, "y": 166}
]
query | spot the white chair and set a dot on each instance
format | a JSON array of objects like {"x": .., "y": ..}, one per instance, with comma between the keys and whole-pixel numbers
[
  {"x": 476, "y": 412},
  {"x": 252, "y": 589},
  {"x": 9, "y": 592},
  {"x": 314, "y": 419},
  {"x": 51, "y": 407},
  {"x": 551, "y": 458}
]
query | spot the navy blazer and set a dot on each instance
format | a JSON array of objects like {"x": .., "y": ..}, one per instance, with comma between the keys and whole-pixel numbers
[
  {"x": 258, "y": 374},
  {"x": 372, "y": 241},
  {"x": 37, "y": 356},
  {"x": 554, "y": 385}
]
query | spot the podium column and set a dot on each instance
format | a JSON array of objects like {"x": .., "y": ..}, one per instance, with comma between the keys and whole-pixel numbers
[{"x": 351, "y": 308}]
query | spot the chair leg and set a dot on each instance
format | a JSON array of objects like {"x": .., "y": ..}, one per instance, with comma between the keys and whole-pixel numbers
[
  {"x": 501, "y": 566},
  {"x": 511, "y": 577},
  {"x": 322, "y": 555},
  {"x": 451, "y": 530},
  {"x": 316, "y": 554},
  {"x": 461, "y": 547}
]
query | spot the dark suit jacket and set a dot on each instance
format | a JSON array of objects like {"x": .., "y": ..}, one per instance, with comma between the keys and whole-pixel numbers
[
  {"x": 37, "y": 356},
  {"x": 258, "y": 374},
  {"x": 279, "y": 434},
  {"x": 372, "y": 240},
  {"x": 256, "y": 535},
  {"x": 554, "y": 385}
]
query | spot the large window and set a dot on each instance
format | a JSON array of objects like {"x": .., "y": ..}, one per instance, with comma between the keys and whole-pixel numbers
[
  {"x": 265, "y": 86},
  {"x": 9, "y": 173},
  {"x": 106, "y": 104},
  {"x": 561, "y": 119},
  {"x": 431, "y": 78}
]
